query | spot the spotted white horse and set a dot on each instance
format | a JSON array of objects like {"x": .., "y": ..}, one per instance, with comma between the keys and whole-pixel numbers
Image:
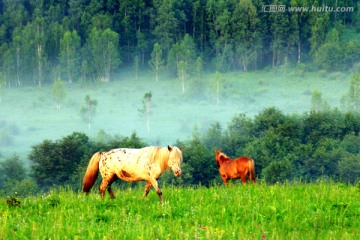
[{"x": 132, "y": 165}]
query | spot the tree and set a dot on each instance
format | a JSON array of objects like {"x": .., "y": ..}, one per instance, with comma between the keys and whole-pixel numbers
[
  {"x": 17, "y": 48},
  {"x": 141, "y": 46},
  {"x": 136, "y": 66},
  {"x": 239, "y": 132},
  {"x": 54, "y": 163},
  {"x": 58, "y": 92},
  {"x": 110, "y": 40},
  {"x": 146, "y": 109},
  {"x": 182, "y": 74},
  {"x": 39, "y": 33},
  {"x": 2, "y": 85},
  {"x": 88, "y": 111},
  {"x": 317, "y": 103},
  {"x": 279, "y": 26},
  {"x": 167, "y": 20},
  {"x": 102, "y": 47},
  {"x": 69, "y": 56},
  {"x": 6, "y": 64},
  {"x": 218, "y": 79},
  {"x": 277, "y": 171},
  {"x": 12, "y": 169},
  {"x": 156, "y": 61},
  {"x": 246, "y": 33},
  {"x": 330, "y": 55},
  {"x": 351, "y": 101},
  {"x": 200, "y": 161},
  {"x": 318, "y": 33},
  {"x": 349, "y": 168}
]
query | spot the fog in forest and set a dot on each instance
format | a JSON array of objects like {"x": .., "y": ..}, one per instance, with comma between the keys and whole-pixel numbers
[{"x": 30, "y": 114}]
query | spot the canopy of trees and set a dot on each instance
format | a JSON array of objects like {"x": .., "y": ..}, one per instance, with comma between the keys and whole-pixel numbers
[{"x": 88, "y": 40}]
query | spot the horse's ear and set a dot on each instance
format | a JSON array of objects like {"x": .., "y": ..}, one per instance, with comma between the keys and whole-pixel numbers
[
  {"x": 181, "y": 148},
  {"x": 216, "y": 151},
  {"x": 169, "y": 148}
]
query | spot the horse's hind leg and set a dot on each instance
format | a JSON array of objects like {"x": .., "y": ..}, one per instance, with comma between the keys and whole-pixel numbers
[
  {"x": 110, "y": 191},
  {"x": 147, "y": 189},
  {"x": 103, "y": 187},
  {"x": 106, "y": 182},
  {"x": 243, "y": 177}
]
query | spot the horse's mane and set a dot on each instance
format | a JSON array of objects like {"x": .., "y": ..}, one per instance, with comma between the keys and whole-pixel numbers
[
  {"x": 161, "y": 155},
  {"x": 224, "y": 157}
]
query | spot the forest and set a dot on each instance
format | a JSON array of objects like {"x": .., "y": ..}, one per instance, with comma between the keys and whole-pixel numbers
[{"x": 95, "y": 40}]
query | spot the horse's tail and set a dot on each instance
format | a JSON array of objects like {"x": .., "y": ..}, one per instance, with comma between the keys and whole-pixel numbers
[
  {"x": 252, "y": 170},
  {"x": 91, "y": 172}
]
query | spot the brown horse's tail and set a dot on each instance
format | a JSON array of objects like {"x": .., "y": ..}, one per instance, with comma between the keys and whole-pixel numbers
[
  {"x": 91, "y": 172},
  {"x": 252, "y": 176}
]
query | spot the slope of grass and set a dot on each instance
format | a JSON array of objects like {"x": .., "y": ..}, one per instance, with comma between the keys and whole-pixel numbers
[
  {"x": 28, "y": 115},
  {"x": 298, "y": 211}
]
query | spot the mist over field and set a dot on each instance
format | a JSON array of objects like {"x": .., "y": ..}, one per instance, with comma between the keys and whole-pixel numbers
[{"x": 28, "y": 115}]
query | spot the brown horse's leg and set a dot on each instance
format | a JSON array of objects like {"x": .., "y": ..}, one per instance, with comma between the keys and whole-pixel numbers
[
  {"x": 147, "y": 189},
  {"x": 224, "y": 178},
  {"x": 243, "y": 178}
]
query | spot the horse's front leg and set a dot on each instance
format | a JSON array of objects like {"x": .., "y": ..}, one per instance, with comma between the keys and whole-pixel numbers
[
  {"x": 224, "y": 178},
  {"x": 154, "y": 183}
]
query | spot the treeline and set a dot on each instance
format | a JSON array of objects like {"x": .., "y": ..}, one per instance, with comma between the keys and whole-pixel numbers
[
  {"x": 91, "y": 40},
  {"x": 307, "y": 147}
]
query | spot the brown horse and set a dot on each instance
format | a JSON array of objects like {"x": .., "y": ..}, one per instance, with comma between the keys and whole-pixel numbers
[
  {"x": 132, "y": 165},
  {"x": 237, "y": 168}
]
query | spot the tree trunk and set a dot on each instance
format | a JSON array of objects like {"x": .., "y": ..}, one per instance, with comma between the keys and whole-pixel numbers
[{"x": 39, "y": 52}]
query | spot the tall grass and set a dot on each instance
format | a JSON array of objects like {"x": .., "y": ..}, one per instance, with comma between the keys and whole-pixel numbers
[{"x": 296, "y": 211}]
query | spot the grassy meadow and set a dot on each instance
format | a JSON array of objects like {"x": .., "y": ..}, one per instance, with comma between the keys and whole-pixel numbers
[
  {"x": 321, "y": 210},
  {"x": 28, "y": 115}
]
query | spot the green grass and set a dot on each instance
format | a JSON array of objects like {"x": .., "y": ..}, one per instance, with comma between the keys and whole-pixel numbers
[
  {"x": 28, "y": 115},
  {"x": 297, "y": 211}
]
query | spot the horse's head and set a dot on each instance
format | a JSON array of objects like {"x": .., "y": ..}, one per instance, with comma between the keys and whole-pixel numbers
[
  {"x": 175, "y": 160},
  {"x": 218, "y": 156}
]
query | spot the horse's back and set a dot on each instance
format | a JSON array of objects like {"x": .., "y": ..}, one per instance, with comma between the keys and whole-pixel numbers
[
  {"x": 129, "y": 164},
  {"x": 242, "y": 162}
]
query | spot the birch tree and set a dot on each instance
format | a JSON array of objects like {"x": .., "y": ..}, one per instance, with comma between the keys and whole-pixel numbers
[
  {"x": 218, "y": 80},
  {"x": 146, "y": 109},
  {"x": 156, "y": 62},
  {"x": 182, "y": 74},
  {"x": 58, "y": 92},
  {"x": 69, "y": 58},
  {"x": 351, "y": 101},
  {"x": 88, "y": 111},
  {"x": 40, "y": 49}
]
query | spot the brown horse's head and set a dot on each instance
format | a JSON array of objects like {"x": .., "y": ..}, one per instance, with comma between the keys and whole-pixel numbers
[{"x": 218, "y": 155}]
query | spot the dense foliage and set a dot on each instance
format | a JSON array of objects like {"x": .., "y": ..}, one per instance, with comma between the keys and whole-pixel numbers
[
  {"x": 307, "y": 147},
  {"x": 90, "y": 39}
]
